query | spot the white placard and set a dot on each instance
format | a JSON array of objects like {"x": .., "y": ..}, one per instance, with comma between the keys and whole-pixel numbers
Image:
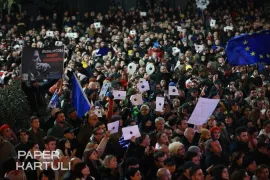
[
  {"x": 131, "y": 68},
  {"x": 150, "y": 68},
  {"x": 203, "y": 110},
  {"x": 97, "y": 25},
  {"x": 72, "y": 35},
  {"x": 130, "y": 131},
  {"x": 142, "y": 80},
  {"x": 228, "y": 28},
  {"x": 173, "y": 91},
  {"x": 136, "y": 99},
  {"x": 202, "y": 4},
  {"x": 121, "y": 95},
  {"x": 199, "y": 48},
  {"x": 179, "y": 28},
  {"x": 159, "y": 104},
  {"x": 212, "y": 22},
  {"x": 58, "y": 43},
  {"x": 133, "y": 32},
  {"x": 98, "y": 112},
  {"x": 17, "y": 47},
  {"x": 175, "y": 50},
  {"x": 104, "y": 89},
  {"x": 113, "y": 127},
  {"x": 49, "y": 33},
  {"x": 144, "y": 86},
  {"x": 143, "y": 13}
]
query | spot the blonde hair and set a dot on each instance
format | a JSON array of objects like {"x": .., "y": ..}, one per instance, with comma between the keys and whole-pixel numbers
[
  {"x": 173, "y": 147},
  {"x": 204, "y": 132},
  {"x": 107, "y": 160}
]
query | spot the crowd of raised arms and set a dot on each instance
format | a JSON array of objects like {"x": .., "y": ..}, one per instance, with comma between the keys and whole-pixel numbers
[{"x": 233, "y": 144}]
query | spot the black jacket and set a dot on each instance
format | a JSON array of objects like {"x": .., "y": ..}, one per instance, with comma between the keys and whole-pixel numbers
[
  {"x": 213, "y": 159},
  {"x": 36, "y": 96},
  {"x": 152, "y": 173},
  {"x": 30, "y": 174},
  {"x": 195, "y": 141},
  {"x": 37, "y": 137},
  {"x": 239, "y": 146},
  {"x": 94, "y": 169},
  {"x": 106, "y": 174},
  {"x": 261, "y": 158},
  {"x": 135, "y": 151}
]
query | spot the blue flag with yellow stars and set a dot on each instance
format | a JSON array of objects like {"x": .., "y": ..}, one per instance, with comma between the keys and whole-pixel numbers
[{"x": 249, "y": 48}]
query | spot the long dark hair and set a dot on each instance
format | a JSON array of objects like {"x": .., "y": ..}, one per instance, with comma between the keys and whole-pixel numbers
[
  {"x": 78, "y": 169},
  {"x": 61, "y": 145},
  {"x": 217, "y": 172},
  {"x": 234, "y": 165},
  {"x": 88, "y": 153}
]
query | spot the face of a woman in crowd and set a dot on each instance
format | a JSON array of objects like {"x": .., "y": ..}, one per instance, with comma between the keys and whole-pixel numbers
[
  {"x": 85, "y": 171},
  {"x": 163, "y": 83},
  {"x": 113, "y": 163},
  {"x": 216, "y": 134},
  {"x": 225, "y": 174},
  {"x": 67, "y": 144},
  {"x": 240, "y": 160},
  {"x": 7, "y": 132},
  {"x": 264, "y": 174},
  {"x": 207, "y": 135},
  {"x": 196, "y": 159},
  {"x": 260, "y": 104},
  {"x": 163, "y": 138},
  {"x": 43, "y": 32},
  {"x": 176, "y": 103},
  {"x": 181, "y": 151},
  {"x": 93, "y": 156},
  {"x": 144, "y": 111},
  {"x": 107, "y": 63}
]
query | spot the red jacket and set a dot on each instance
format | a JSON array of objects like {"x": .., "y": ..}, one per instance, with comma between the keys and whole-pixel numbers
[{"x": 158, "y": 51}]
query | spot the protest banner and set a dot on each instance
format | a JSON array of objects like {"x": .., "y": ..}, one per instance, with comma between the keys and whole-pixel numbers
[{"x": 42, "y": 63}]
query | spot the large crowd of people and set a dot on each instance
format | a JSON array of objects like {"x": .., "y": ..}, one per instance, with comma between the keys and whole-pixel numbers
[{"x": 232, "y": 145}]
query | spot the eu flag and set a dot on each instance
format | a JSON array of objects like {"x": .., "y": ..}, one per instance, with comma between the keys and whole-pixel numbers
[
  {"x": 103, "y": 52},
  {"x": 249, "y": 48},
  {"x": 79, "y": 100},
  {"x": 54, "y": 100}
]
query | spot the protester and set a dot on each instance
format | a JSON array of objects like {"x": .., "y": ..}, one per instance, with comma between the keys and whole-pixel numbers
[{"x": 126, "y": 61}]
